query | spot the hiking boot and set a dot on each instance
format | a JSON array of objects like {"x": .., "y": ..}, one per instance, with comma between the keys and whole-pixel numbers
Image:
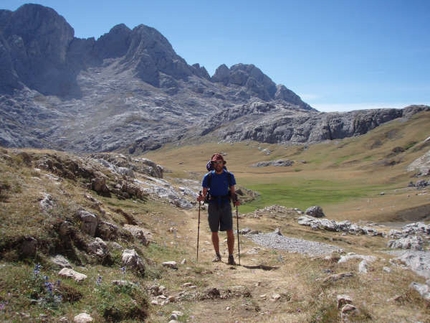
[
  {"x": 217, "y": 258},
  {"x": 231, "y": 260}
]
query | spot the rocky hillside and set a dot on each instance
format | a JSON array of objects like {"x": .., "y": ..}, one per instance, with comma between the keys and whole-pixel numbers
[
  {"x": 107, "y": 237},
  {"x": 129, "y": 90}
]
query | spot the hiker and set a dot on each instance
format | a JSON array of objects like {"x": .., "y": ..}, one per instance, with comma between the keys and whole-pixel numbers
[{"x": 219, "y": 183}]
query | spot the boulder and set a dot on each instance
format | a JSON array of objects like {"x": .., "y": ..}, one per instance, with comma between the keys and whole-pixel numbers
[
  {"x": 70, "y": 273},
  {"x": 315, "y": 211},
  {"x": 130, "y": 259},
  {"x": 89, "y": 222}
]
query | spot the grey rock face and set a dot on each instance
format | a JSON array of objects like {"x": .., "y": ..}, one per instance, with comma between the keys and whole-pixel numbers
[
  {"x": 36, "y": 39},
  {"x": 115, "y": 43}
]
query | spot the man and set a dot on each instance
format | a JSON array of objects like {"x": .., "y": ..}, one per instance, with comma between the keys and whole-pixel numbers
[{"x": 218, "y": 183}]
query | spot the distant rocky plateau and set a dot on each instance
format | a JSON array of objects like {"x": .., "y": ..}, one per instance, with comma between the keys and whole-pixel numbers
[{"x": 129, "y": 90}]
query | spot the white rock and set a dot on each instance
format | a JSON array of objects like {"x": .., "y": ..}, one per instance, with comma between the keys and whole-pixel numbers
[
  {"x": 82, "y": 318},
  {"x": 170, "y": 264},
  {"x": 70, "y": 273}
]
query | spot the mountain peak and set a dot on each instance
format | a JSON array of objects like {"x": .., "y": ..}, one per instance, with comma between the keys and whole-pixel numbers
[{"x": 130, "y": 90}]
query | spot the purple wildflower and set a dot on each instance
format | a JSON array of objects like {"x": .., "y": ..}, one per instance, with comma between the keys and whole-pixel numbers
[{"x": 36, "y": 270}]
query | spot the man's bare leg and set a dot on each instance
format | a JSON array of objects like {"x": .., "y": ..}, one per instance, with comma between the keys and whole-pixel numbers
[
  {"x": 215, "y": 242},
  {"x": 230, "y": 241}
]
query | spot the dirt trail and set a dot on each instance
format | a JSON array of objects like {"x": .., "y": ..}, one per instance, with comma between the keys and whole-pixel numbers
[{"x": 254, "y": 291}]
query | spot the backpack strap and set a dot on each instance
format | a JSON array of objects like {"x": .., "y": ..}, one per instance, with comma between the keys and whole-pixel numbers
[{"x": 209, "y": 179}]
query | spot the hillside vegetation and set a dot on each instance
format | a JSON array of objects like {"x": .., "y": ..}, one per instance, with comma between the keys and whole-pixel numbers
[{"x": 46, "y": 197}]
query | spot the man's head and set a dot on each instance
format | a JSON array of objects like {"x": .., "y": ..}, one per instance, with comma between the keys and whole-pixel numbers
[
  {"x": 218, "y": 158},
  {"x": 218, "y": 163}
]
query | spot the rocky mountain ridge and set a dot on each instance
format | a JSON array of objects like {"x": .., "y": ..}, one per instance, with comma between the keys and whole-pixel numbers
[{"x": 129, "y": 90}]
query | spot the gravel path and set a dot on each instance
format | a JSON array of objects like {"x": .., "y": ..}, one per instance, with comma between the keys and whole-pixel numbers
[
  {"x": 418, "y": 261},
  {"x": 276, "y": 241}
]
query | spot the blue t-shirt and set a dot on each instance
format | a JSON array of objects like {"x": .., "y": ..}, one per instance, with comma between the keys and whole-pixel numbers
[{"x": 219, "y": 183}]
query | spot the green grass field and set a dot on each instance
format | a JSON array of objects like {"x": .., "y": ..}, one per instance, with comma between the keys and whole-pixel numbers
[{"x": 304, "y": 194}]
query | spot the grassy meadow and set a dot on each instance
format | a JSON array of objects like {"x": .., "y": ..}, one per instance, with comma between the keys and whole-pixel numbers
[{"x": 363, "y": 177}]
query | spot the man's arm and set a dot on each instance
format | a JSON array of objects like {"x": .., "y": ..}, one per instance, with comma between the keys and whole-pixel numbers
[{"x": 236, "y": 201}]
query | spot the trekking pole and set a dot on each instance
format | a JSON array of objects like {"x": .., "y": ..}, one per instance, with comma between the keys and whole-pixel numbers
[
  {"x": 237, "y": 225},
  {"x": 198, "y": 230}
]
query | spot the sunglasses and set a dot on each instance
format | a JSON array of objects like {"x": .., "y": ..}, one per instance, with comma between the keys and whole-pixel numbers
[{"x": 219, "y": 162}]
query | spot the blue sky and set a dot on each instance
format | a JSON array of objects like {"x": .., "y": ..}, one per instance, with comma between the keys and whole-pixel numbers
[{"x": 337, "y": 55}]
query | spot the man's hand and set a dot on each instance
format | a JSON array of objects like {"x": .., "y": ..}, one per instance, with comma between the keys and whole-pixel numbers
[
  {"x": 236, "y": 201},
  {"x": 200, "y": 197}
]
